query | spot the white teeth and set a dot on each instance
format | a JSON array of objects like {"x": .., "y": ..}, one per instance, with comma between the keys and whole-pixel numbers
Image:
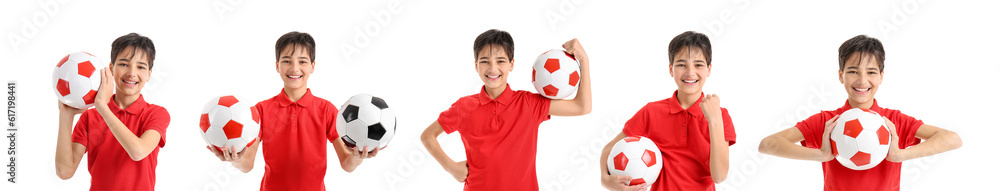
[
  {"x": 128, "y": 82},
  {"x": 294, "y": 76},
  {"x": 689, "y": 81},
  {"x": 862, "y": 90},
  {"x": 488, "y": 76}
]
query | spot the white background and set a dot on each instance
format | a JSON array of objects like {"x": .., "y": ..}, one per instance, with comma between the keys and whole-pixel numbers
[{"x": 775, "y": 63}]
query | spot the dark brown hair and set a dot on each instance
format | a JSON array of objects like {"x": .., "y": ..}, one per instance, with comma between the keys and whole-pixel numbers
[
  {"x": 494, "y": 37},
  {"x": 690, "y": 39},
  {"x": 137, "y": 42},
  {"x": 864, "y": 45},
  {"x": 295, "y": 38}
]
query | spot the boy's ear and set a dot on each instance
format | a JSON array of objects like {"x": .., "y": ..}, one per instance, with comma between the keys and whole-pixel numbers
[
  {"x": 276, "y": 67},
  {"x": 709, "y": 70},
  {"x": 840, "y": 75},
  {"x": 670, "y": 69},
  {"x": 511, "y": 66}
]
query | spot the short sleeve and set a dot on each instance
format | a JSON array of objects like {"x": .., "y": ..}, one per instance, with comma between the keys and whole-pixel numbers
[
  {"x": 259, "y": 108},
  {"x": 539, "y": 106},
  {"x": 331, "y": 122},
  {"x": 451, "y": 119},
  {"x": 158, "y": 121},
  {"x": 728, "y": 129},
  {"x": 81, "y": 129},
  {"x": 906, "y": 128},
  {"x": 638, "y": 125},
  {"x": 812, "y": 130}
]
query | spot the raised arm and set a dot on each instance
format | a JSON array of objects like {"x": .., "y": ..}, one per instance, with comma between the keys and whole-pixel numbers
[
  {"x": 718, "y": 159},
  {"x": 137, "y": 147},
  {"x": 581, "y": 105},
  {"x": 68, "y": 153}
]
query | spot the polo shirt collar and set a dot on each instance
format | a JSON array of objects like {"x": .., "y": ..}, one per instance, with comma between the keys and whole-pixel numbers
[
  {"x": 135, "y": 108},
  {"x": 284, "y": 101},
  {"x": 674, "y": 105},
  {"x": 505, "y": 97},
  {"x": 875, "y": 107}
]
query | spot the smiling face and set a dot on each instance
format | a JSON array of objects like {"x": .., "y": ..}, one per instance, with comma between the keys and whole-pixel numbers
[
  {"x": 861, "y": 78},
  {"x": 690, "y": 70},
  {"x": 131, "y": 71},
  {"x": 294, "y": 66},
  {"x": 493, "y": 66}
]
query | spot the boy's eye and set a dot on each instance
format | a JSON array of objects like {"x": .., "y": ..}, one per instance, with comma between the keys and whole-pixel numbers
[
  {"x": 872, "y": 73},
  {"x": 851, "y": 72},
  {"x": 142, "y": 67}
]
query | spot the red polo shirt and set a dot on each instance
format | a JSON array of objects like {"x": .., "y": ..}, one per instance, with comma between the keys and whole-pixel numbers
[
  {"x": 682, "y": 136},
  {"x": 885, "y": 176},
  {"x": 500, "y": 137},
  {"x": 110, "y": 166},
  {"x": 294, "y": 136}
]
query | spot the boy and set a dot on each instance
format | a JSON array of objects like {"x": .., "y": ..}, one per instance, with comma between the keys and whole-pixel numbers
[
  {"x": 691, "y": 130},
  {"x": 500, "y": 126},
  {"x": 862, "y": 61},
  {"x": 122, "y": 133},
  {"x": 295, "y": 126}
]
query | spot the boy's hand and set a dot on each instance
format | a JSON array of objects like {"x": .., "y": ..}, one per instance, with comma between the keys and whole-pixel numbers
[
  {"x": 106, "y": 89},
  {"x": 620, "y": 183},
  {"x": 228, "y": 154},
  {"x": 710, "y": 107},
  {"x": 67, "y": 111},
  {"x": 893, "y": 155},
  {"x": 574, "y": 48},
  {"x": 825, "y": 149},
  {"x": 363, "y": 155},
  {"x": 459, "y": 170}
]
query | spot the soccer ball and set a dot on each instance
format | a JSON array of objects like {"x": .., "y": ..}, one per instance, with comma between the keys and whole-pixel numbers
[
  {"x": 76, "y": 79},
  {"x": 860, "y": 140},
  {"x": 555, "y": 74},
  {"x": 228, "y": 121},
  {"x": 636, "y": 157},
  {"x": 366, "y": 121}
]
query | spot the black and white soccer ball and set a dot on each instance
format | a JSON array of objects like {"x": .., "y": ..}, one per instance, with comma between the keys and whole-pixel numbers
[{"x": 366, "y": 121}]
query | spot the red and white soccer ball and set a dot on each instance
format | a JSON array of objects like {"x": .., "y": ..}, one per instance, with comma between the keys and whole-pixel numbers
[
  {"x": 555, "y": 74},
  {"x": 76, "y": 79},
  {"x": 636, "y": 157},
  {"x": 229, "y": 121},
  {"x": 860, "y": 140}
]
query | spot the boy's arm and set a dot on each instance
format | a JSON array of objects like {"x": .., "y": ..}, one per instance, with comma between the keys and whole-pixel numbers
[
  {"x": 615, "y": 182},
  {"x": 351, "y": 158},
  {"x": 581, "y": 104},
  {"x": 136, "y": 147},
  {"x": 782, "y": 144},
  {"x": 68, "y": 153},
  {"x": 938, "y": 140},
  {"x": 242, "y": 160},
  {"x": 458, "y": 170},
  {"x": 718, "y": 159}
]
